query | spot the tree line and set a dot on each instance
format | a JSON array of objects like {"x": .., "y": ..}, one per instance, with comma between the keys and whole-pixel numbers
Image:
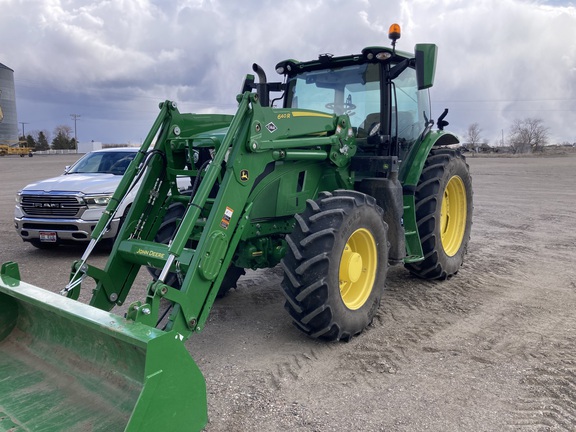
[
  {"x": 40, "y": 140},
  {"x": 528, "y": 135}
]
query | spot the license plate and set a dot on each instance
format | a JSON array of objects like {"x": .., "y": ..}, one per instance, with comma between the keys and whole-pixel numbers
[{"x": 48, "y": 237}]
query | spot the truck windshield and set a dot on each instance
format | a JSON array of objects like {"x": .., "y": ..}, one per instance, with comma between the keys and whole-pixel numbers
[{"x": 103, "y": 163}]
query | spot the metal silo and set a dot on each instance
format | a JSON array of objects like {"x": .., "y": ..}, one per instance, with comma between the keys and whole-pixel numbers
[{"x": 8, "y": 121}]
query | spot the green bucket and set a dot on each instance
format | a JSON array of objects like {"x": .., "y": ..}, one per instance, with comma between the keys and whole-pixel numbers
[{"x": 67, "y": 366}]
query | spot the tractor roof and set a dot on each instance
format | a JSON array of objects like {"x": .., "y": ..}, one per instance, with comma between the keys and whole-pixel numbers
[{"x": 372, "y": 54}]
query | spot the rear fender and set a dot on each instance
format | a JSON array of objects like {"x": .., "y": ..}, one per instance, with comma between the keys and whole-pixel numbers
[
  {"x": 410, "y": 173},
  {"x": 413, "y": 165}
]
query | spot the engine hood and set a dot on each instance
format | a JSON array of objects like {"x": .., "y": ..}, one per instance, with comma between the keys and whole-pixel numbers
[{"x": 86, "y": 184}]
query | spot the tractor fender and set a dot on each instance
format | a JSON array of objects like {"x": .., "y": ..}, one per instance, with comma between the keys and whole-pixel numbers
[
  {"x": 410, "y": 173},
  {"x": 414, "y": 163}
]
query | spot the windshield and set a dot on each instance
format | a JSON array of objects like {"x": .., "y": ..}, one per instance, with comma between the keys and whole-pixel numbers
[
  {"x": 355, "y": 90},
  {"x": 352, "y": 90},
  {"x": 103, "y": 163}
]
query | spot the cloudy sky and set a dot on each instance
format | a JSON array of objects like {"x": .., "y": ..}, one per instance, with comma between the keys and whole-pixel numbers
[{"x": 111, "y": 62}]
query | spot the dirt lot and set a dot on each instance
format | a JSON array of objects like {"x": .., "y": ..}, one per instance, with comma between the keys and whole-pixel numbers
[{"x": 492, "y": 349}]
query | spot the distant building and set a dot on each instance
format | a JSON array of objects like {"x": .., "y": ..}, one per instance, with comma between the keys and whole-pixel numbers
[
  {"x": 86, "y": 147},
  {"x": 8, "y": 121}
]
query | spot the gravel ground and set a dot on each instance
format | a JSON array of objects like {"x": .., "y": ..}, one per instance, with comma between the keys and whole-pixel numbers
[{"x": 492, "y": 349}]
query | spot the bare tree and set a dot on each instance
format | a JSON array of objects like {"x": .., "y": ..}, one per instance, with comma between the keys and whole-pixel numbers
[
  {"x": 473, "y": 139},
  {"x": 63, "y": 139},
  {"x": 528, "y": 135}
]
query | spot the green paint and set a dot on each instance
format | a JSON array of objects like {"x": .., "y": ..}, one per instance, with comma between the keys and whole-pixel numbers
[{"x": 66, "y": 365}]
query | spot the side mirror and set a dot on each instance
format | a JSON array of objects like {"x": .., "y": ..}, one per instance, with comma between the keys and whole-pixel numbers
[{"x": 425, "y": 57}]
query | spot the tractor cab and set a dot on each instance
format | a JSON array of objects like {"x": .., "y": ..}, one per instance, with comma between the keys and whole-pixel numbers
[
  {"x": 380, "y": 122},
  {"x": 383, "y": 91}
]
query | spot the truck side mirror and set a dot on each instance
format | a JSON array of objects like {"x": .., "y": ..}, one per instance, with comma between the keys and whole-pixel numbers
[{"x": 425, "y": 57}]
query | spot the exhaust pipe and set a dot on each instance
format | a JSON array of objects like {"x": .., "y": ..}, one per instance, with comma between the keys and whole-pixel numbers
[{"x": 262, "y": 86}]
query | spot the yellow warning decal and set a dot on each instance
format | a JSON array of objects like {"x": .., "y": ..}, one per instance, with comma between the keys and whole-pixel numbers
[{"x": 226, "y": 218}]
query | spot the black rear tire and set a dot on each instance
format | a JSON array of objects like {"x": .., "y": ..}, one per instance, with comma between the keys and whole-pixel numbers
[
  {"x": 336, "y": 263},
  {"x": 443, "y": 214}
]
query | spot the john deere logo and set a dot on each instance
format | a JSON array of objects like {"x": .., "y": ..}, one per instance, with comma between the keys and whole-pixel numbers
[{"x": 244, "y": 175}]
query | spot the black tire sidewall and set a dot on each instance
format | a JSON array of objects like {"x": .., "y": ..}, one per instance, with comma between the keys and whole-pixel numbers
[
  {"x": 312, "y": 264},
  {"x": 354, "y": 321},
  {"x": 441, "y": 166},
  {"x": 455, "y": 167}
]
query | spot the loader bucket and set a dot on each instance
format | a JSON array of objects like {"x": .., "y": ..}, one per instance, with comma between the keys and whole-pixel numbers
[{"x": 67, "y": 366}]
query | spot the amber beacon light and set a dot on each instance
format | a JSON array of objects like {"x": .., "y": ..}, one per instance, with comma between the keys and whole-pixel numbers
[{"x": 394, "y": 32}]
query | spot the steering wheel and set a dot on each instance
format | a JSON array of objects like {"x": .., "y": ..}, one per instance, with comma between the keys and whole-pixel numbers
[
  {"x": 374, "y": 129},
  {"x": 119, "y": 167},
  {"x": 346, "y": 107}
]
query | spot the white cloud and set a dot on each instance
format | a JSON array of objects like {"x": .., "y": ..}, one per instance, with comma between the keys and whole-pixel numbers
[{"x": 115, "y": 60}]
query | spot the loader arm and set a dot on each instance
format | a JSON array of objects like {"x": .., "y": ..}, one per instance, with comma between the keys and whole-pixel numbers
[
  {"x": 87, "y": 368},
  {"x": 219, "y": 222}
]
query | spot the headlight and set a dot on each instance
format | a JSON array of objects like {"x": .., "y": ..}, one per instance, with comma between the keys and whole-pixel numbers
[
  {"x": 19, "y": 197},
  {"x": 97, "y": 200}
]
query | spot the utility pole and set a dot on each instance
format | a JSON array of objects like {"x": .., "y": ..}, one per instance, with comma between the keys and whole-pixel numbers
[
  {"x": 75, "y": 117},
  {"x": 23, "y": 134}
]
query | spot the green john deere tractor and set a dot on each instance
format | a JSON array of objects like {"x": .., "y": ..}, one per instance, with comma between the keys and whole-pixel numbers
[{"x": 333, "y": 173}]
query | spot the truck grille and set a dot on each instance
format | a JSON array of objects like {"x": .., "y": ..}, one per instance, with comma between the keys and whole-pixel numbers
[{"x": 55, "y": 206}]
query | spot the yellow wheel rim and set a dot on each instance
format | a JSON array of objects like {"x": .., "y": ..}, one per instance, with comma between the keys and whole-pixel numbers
[
  {"x": 358, "y": 268},
  {"x": 453, "y": 216}
]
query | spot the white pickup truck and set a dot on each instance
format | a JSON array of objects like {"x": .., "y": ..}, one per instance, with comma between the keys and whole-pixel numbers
[{"x": 65, "y": 209}]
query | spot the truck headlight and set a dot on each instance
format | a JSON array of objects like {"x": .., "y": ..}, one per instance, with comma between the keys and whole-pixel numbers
[{"x": 97, "y": 200}]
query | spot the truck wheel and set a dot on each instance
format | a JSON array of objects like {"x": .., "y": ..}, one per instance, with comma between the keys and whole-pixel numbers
[
  {"x": 164, "y": 235},
  {"x": 443, "y": 214},
  {"x": 336, "y": 263}
]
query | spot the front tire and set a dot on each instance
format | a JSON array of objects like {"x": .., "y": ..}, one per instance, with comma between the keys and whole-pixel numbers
[
  {"x": 443, "y": 214},
  {"x": 335, "y": 267}
]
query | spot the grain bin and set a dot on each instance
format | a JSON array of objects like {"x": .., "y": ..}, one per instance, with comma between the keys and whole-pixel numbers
[{"x": 9, "y": 121}]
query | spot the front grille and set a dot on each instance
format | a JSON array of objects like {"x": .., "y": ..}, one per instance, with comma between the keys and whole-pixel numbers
[
  {"x": 51, "y": 206},
  {"x": 49, "y": 227}
]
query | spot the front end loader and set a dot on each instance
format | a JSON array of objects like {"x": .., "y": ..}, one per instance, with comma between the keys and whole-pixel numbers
[{"x": 335, "y": 173}]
